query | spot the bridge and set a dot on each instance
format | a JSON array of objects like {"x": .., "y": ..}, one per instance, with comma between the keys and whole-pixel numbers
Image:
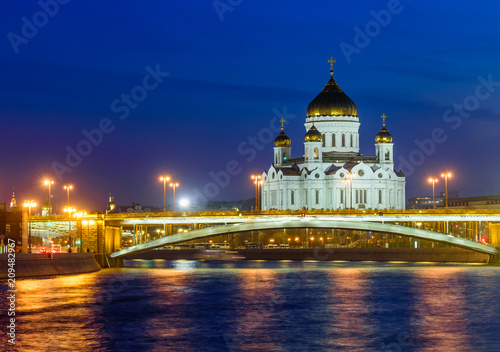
[
  {"x": 294, "y": 223},
  {"x": 473, "y": 230}
]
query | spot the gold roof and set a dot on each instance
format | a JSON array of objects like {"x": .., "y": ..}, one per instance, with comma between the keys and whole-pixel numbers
[
  {"x": 383, "y": 136},
  {"x": 282, "y": 140},
  {"x": 332, "y": 101},
  {"x": 313, "y": 135}
]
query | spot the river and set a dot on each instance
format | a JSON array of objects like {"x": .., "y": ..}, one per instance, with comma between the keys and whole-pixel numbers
[{"x": 262, "y": 306}]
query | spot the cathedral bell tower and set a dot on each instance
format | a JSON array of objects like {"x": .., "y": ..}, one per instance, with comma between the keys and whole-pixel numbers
[
  {"x": 313, "y": 146},
  {"x": 384, "y": 146},
  {"x": 282, "y": 149}
]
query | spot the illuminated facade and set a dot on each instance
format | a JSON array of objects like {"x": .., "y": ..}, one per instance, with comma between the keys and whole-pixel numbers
[{"x": 332, "y": 173}]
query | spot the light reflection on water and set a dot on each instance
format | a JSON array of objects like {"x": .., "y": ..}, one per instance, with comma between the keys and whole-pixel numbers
[{"x": 276, "y": 306}]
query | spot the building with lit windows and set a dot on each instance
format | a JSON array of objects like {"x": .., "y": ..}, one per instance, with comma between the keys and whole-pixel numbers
[{"x": 332, "y": 173}]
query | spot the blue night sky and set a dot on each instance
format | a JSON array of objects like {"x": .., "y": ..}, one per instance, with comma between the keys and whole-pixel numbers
[{"x": 230, "y": 70}]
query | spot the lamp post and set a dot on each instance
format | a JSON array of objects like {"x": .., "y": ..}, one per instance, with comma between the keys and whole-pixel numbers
[
  {"x": 174, "y": 185},
  {"x": 257, "y": 182},
  {"x": 68, "y": 188},
  {"x": 446, "y": 176},
  {"x": 345, "y": 181},
  {"x": 165, "y": 179},
  {"x": 69, "y": 210},
  {"x": 433, "y": 181},
  {"x": 49, "y": 183},
  {"x": 351, "y": 175},
  {"x": 29, "y": 204},
  {"x": 78, "y": 216}
]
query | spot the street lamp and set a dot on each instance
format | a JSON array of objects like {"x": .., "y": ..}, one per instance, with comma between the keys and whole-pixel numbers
[
  {"x": 165, "y": 179},
  {"x": 350, "y": 175},
  {"x": 446, "y": 176},
  {"x": 68, "y": 188},
  {"x": 78, "y": 216},
  {"x": 29, "y": 204},
  {"x": 433, "y": 181},
  {"x": 347, "y": 179},
  {"x": 257, "y": 181},
  {"x": 49, "y": 183},
  {"x": 174, "y": 185},
  {"x": 69, "y": 210}
]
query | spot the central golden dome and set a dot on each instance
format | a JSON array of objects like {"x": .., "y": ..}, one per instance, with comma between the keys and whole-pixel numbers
[{"x": 332, "y": 101}]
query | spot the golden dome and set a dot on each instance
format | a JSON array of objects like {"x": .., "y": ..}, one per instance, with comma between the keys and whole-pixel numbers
[
  {"x": 332, "y": 101},
  {"x": 313, "y": 135},
  {"x": 383, "y": 136},
  {"x": 282, "y": 140}
]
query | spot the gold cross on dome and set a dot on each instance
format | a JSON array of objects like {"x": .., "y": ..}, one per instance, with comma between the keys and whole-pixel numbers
[
  {"x": 383, "y": 119},
  {"x": 331, "y": 62},
  {"x": 282, "y": 122}
]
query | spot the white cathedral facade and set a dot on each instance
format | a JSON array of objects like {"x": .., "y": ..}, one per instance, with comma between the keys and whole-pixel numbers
[{"x": 332, "y": 173}]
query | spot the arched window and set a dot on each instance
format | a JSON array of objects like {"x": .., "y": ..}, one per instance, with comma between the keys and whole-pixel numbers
[
  {"x": 316, "y": 153},
  {"x": 333, "y": 139},
  {"x": 323, "y": 139},
  {"x": 352, "y": 144},
  {"x": 343, "y": 140}
]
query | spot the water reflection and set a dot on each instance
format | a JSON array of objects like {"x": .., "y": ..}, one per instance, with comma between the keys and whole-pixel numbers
[
  {"x": 440, "y": 321},
  {"x": 277, "y": 307},
  {"x": 349, "y": 307}
]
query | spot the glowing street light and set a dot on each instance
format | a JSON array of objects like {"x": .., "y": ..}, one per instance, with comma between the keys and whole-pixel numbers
[
  {"x": 174, "y": 185},
  {"x": 69, "y": 210},
  {"x": 68, "y": 188},
  {"x": 257, "y": 181},
  {"x": 49, "y": 183},
  {"x": 184, "y": 202},
  {"x": 79, "y": 215},
  {"x": 446, "y": 176},
  {"x": 433, "y": 181},
  {"x": 165, "y": 179},
  {"x": 29, "y": 204}
]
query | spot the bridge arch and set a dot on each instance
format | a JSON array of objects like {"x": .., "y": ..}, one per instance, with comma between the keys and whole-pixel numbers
[{"x": 309, "y": 223}]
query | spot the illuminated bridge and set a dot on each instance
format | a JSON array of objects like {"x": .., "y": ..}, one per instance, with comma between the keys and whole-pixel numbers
[{"x": 120, "y": 235}]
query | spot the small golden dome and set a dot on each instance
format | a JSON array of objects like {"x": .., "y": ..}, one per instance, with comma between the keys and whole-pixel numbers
[
  {"x": 282, "y": 140},
  {"x": 313, "y": 135},
  {"x": 383, "y": 136}
]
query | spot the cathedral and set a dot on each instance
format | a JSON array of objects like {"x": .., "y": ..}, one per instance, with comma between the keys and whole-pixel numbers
[{"x": 332, "y": 173}]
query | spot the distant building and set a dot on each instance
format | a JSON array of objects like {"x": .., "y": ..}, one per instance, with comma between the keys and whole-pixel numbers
[
  {"x": 134, "y": 208},
  {"x": 425, "y": 202},
  {"x": 11, "y": 222},
  {"x": 481, "y": 202}
]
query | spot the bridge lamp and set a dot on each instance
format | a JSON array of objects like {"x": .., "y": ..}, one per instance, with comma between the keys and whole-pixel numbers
[
  {"x": 29, "y": 204},
  {"x": 49, "y": 183},
  {"x": 174, "y": 185},
  {"x": 164, "y": 179},
  {"x": 433, "y": 181},
  {"x": 68, "y": 188},
  {"x": 257, "y": 181},
  {"x": 446, "y": 176}
]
